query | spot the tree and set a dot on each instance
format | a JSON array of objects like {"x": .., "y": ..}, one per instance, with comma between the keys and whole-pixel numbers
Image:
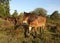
[
  {"x": 15, "y": 14},
  {"x": 4, "y": 4},
  {"x": 21, "y": 17},
  {"x": 7, "y": 8},
  {"x": 55, "y": 15},
  {"x": 1, "y": 11},
  {"x": 40, "y": 11}
]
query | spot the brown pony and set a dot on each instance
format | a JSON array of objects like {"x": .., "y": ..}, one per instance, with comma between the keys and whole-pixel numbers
[{"x": 34, "y": 21}]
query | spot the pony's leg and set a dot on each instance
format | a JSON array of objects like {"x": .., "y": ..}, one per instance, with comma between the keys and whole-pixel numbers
[
  {"x": 35, "y": 29},
  {"x": 35, "y": 32},
  {"x": 30, "y": 29},
  {"x": 40, "y": 29},
  {"x": 44, "y": 28}
]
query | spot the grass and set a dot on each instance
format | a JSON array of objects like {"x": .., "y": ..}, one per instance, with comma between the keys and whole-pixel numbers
[{"x": 9, "y": 35}]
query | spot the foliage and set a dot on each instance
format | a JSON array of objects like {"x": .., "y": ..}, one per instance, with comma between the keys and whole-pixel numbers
[
  {"x": 55, "y": 15},
  {"x": 21, "y": 17},
  {"x": 4, "y": 4},
  {"x": 2, "y": 11},
  {"x": 15, "y": 14},
  {"x": 40, "y": 11}
]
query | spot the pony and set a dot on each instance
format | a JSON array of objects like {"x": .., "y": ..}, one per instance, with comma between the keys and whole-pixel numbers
[{"x": 34, "y": 21}]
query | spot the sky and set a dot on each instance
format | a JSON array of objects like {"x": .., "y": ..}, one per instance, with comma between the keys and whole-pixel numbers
[{"x": 30, "y": 5}]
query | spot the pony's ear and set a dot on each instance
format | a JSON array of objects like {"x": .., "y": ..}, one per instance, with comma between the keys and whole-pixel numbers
[{"x": 24, "y": 12}]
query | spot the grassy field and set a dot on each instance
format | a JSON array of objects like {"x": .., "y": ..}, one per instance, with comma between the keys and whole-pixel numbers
[{"x": 9, "y": 35}]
